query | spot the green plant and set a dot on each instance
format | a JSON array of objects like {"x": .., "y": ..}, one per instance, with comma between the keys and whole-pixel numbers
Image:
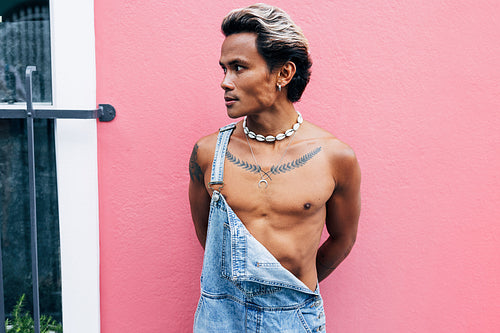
[{"x": 24, "y": 323}]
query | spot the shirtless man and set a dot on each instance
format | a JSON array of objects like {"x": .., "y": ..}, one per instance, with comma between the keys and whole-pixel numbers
[{"x": 282, "y": 190}]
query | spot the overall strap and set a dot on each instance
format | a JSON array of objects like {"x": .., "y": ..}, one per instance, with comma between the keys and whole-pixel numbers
[{"x": 217, "y": 177}]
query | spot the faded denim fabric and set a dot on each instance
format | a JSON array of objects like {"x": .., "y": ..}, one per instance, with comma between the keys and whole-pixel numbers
[{"x": 243, "y": 287}]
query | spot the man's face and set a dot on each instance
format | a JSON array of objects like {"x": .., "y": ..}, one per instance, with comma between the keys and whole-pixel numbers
[{"x": 248, "y": 85}]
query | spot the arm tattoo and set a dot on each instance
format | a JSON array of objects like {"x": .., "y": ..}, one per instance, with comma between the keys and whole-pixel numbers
[
  {"x": 275, "y": 169},
  {"x": 194, "y": 168}
]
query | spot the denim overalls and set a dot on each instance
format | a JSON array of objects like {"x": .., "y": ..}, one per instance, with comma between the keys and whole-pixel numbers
[{"x": 243, "y": 287}]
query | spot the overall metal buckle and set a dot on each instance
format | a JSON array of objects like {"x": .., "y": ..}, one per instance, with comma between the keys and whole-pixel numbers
[{"x": 211, "y": 184}]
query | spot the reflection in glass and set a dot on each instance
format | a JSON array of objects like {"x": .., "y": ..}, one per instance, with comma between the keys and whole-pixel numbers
[
  {"x": 24, "y": 40},
  {"x": 15, "y": 219}
]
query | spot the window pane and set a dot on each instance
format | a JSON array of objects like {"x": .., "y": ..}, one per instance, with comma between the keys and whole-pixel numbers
[
  {"x": 15, "y": 219},
  {"x": 24, "y": 40}
]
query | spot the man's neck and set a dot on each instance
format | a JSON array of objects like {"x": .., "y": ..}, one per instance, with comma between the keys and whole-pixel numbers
[{"x": 273, "y": 121}]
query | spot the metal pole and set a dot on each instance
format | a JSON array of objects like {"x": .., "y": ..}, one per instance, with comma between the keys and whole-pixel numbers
[{"x": 31, "y": 165}]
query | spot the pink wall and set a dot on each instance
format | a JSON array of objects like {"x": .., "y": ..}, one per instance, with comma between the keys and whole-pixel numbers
[{"x": 415, "y": 90}]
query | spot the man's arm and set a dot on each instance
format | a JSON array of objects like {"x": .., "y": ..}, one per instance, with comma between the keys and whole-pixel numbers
[
  {"x": 342, "y": 214},
  {"x": 199, "y": 198}
]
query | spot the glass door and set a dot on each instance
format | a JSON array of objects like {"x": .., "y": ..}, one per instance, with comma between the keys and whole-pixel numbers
[
  {"x": 25, "y": 40},
  {"x": 56, "y": 36}
]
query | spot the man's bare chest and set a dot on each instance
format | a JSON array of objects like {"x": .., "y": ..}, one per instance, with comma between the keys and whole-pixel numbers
[{"x": 298, "y": 184}]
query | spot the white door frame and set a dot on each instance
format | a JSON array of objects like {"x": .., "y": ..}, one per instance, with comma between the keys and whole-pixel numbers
[{"x": 74, "y": 87}]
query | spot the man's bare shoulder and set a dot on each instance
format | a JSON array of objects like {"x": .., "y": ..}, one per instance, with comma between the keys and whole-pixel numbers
[
  {"x": 341, "y": 156},
  {"x": 335, "y": 148},
  {"x": 203, "y": 150}
]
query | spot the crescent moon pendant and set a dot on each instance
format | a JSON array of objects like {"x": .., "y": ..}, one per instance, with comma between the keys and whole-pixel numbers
[{"x": 263, "y": 181}]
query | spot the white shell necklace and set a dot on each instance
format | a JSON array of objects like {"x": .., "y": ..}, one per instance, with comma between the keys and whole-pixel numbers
[{"x": 272, "y": 138}]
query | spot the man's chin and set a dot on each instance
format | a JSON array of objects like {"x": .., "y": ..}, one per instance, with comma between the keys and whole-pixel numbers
[{"x": 232, "y": 114}]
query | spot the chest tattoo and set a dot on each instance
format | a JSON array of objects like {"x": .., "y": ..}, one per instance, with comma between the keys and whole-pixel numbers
[{"x": 275, "y": 169}]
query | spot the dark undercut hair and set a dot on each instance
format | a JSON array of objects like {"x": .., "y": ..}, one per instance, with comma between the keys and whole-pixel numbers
[{"x": 279, "y": 40}]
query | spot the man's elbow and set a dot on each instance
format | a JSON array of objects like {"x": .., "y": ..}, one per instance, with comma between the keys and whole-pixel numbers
[
  {"x": 350, "y": 242},
  {"x": 347, "y": 237},
  {"x": 352, "y": 237}
]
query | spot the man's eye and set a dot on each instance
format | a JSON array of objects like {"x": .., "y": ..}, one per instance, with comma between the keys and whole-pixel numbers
[{"x": 238, "y": 68}]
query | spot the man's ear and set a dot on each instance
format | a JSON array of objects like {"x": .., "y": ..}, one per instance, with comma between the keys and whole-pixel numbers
[{"x": 286, "y": 73}]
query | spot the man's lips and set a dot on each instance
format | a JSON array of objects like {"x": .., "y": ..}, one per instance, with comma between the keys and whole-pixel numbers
[{"x": 230, "y": 100}]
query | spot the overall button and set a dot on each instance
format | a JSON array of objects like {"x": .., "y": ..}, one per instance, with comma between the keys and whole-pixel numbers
[
  {"x": 215, "y": 196},
  {"x": 316, "y": 304}
]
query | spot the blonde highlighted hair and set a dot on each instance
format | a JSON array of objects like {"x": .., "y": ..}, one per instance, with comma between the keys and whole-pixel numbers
[{"x": 279, "y": 40}]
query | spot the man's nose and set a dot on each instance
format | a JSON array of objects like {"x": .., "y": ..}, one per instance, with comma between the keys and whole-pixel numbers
[{"x": 226, "y": 84}]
